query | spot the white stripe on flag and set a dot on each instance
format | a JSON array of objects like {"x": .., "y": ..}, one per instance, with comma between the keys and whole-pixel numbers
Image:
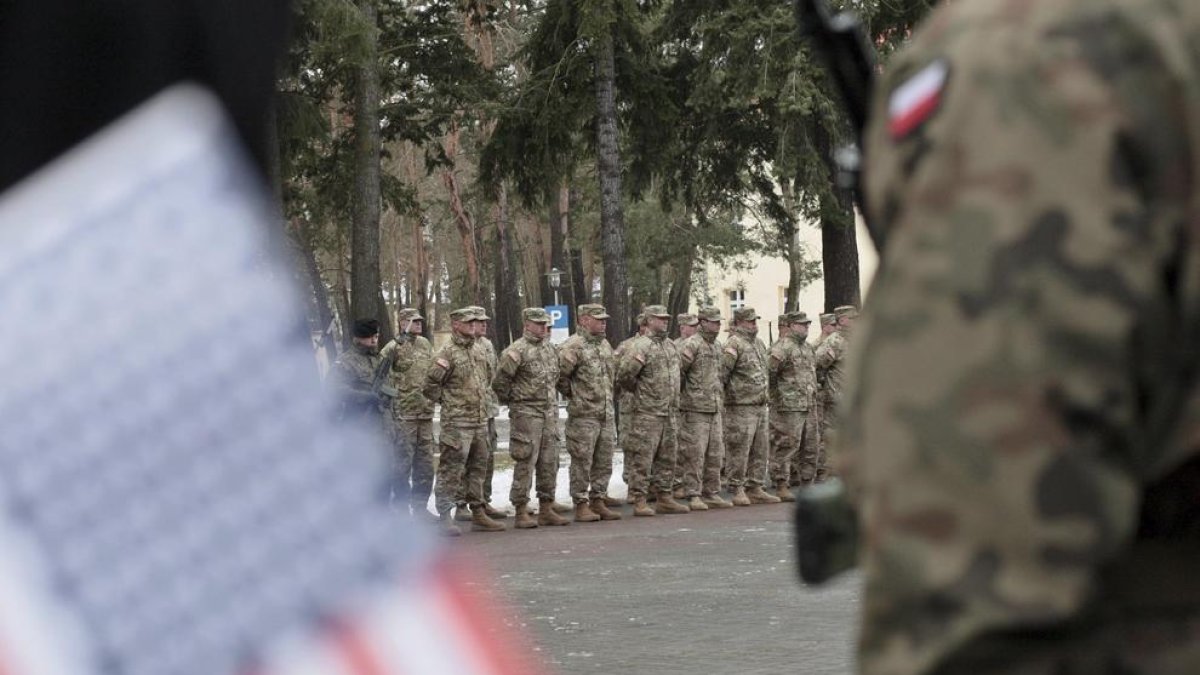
[{"x": 910, "y": 95}]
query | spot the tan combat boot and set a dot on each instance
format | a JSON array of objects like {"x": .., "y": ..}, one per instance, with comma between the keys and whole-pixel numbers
[
  {"x": 678, "y": 493},
  {"x": 715, "y": 501},
  {"x": 667, "y": 504},
  {"x": 697, "y": 504},
  {"x": 524, "y": 519},
  {"x": 561, "y": 508},
  {"x": 494, "y": 512},
  {"x": 613, "y": 502},
  {"x": 782, "y": 491},
  {"x": 583, "y": 513},
  {"x": 740, "y": 498},
  {"x": 462, "y": 514},
  {"x": 641, "y": 508},
  {"x": 446, "y": 525},
  {"x": 757, "y": 495},
  {"x": 480, "y": 522},
  {"x": 547, "y": 516},
  {"x": 600, "y": 508}
]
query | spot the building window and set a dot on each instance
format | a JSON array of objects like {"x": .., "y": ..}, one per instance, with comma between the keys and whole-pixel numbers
[{"x": 737, "y": 299}]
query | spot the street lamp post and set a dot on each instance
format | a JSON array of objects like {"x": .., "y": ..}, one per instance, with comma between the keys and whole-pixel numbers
[{"x": 555, "y": 278}]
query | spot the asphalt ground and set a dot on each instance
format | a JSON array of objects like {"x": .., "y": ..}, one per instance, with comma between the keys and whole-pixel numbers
[{"x": 708, "y": 592}]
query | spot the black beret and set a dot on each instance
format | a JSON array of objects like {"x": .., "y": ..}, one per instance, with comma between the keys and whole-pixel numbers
[{"x": 365, "y": 328}]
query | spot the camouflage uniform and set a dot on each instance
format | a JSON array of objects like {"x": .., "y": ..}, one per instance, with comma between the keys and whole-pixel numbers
[
  {"x": 830, "y": 357},
  {"x": 585, "y": 378},
  {"x": 488, "y": 353},
  {"x": 1022, "y": 420},
  {"x": 412, "y": 412},
  {"x": 701, "y": 434},
  {"x": 744, "y": 375},
  {"x": 817, "y": 415},
  {"x": 456, "y": 379},
  {"x": 351, "y": 378},
  {"x": 525, "y": 381},
  {"x": 793, "y": 386},
  {"x": 624, "y": 412},
  {"x": 649, "y": 369}
]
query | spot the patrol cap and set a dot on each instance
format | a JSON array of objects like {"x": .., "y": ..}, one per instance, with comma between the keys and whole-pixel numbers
[
  {"x": 687, "y": 319},
  {"x": 709, "y": 314},
  {"x": 846, "y": 310},
  {"x": 409, "y": 314},
  {"x": 745, "y": 314},
  {"x": 784, "y": 319},
  {"x": 480, "y": 313},
  {"x": 828, "y": 319},
  {"x": 596, "y": 311},
  {"x": 464, "y": 314},
  {"x": 365, "y": 328},
  {"x": 657, "y": 311},
  {"x": 536, "y": 315},
  {"x": 798, "y": 317}
]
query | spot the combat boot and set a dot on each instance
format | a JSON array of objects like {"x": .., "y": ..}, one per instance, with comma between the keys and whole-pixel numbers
[
  {"x": 631, "y": 499},
  {"x": 714, "y": 501},
  {"x": 480, "y": 522},
  {"x": 757, "y": 495},
  {"x": 547, "y": 516},
  {"x": 462, "y": 514},
  {"x": 524, "y": 519},
  {"x": 560, "y": 508},
  {"x": 740, "y": 498},
  {"x": 446, "y": 525},
  {"x": 783, "y": 493},
  {"x": 678, "y": 493},
  {"x": 667, "y": 504},
  {"x": 614, "y": 502},
  {"x": 583, "y": 513},
  {"x": 641, "y": 508},
  {"x": 600, "y": 508},
  {"x": 697, "y": 504}
]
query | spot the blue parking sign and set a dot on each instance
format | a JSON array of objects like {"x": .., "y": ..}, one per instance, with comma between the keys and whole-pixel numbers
[{"x": 560, "y": 323}]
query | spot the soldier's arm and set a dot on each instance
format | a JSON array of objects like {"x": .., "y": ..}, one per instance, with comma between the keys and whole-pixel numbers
[
  {"x": 510, "y": 363},
  {"x": 729, "y": 359},
  {"x": 349, "y": 386},
  {"x": 568, "y": 361},
  {"x": 775, "y": 360},
  {"x": 630, "y": 365},
  {"x": 687, "y": 356},
  {"x": 435, "y": 377}
]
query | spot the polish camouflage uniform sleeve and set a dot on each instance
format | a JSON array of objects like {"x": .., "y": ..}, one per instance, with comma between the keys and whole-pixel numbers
[{"x": 1023, "y": 316}]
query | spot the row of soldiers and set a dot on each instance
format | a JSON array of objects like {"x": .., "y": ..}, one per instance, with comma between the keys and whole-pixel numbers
[{"x": 694, "y": 411}]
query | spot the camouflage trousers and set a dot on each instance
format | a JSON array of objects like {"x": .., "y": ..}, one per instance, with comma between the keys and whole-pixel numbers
[
  {"x": 461, "y": 499},
  {"x": 590, "y": 443},
  {"x": 701, "y": 453},
  {"x": 746, "y": 445},
  {"x": 462, "y": 466},
  {"x": 650, "y": 449},
  {"x": 533, "y": 444},
  {"x": 794, "y": 442},
  {"x": 412, "y": 461},
  {"x": 827, "y": 428}
]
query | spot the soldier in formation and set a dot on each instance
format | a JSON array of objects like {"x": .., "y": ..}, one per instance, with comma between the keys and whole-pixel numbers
[
  {"x": 793, "y": 388},
  {"x": 410, "y": 355},
  {"x": 830, "y": 356},
  {"x": 744, "y": 376},
  {"x": 701, "y": 435}
]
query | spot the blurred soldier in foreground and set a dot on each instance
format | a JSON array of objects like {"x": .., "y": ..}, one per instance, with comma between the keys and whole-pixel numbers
[
  {"x": 793, "y": 385},
  {"x": 701, "y": 441},
  {"x": 744, "y": 374},
  {"x": 410, "y": 355},
  {"x": 525, "y": 381},
  {"x": 1021, "y": 419},
  {"x": 585, "y": 378},
  {"x": 456, "y": 379},
  {"x": 357, "y": 381},
  {"x": 649, "y": 370}
]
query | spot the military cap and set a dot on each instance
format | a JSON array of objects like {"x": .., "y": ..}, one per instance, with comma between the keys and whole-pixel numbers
[
  {"x": 657, "y": 311},
  {"x": 409, "y": 314},
  {"x": 687, "y": 319},
  {"x": 784, "y": 319},
  {"x": 464, "y": 314},
  {"x": 846, "y": 310},
  {"x": 480, "y": 313},
  {"x": 798, "y": 317},
  {"x": 596, "y": 311},
  {"x": 536, "y": 315},
  {"x": 828, "y": 319},
  {"x": 365, "y": 328},
  {"x": 745, "y": 314},
  {"x": 709, "y": 314}
]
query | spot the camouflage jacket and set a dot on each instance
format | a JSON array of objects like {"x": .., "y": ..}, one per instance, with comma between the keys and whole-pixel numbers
[
  {"x": 526, "y": 377},
  {"x": 744, "y": 369},
  {"x": 351, "y": 378},
  {"x": 649, "y": 368},
  {"x": 456, "y": 379},
  {"x": 830, "y": 356},
  {"x": 413, "y": 356},
  {"x": 700, "y": 374},
  {"x": 792, "y": 375},
  {"x": 487, "y": 352},
  {"x": 585, "y": 376},
  {"x": 1007, "y": 427}
]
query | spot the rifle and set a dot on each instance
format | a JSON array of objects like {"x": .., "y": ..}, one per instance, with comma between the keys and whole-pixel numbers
[
  {"x": 841, "y": 43},
  {"x": 379, "y": 385}
]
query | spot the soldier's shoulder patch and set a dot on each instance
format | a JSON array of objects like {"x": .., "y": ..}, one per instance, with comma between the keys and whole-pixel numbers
[
  {"x": 917, "y": 99},
  {"x": 687, "y": 353},
  {"x": 567, "y": 355},
  {"x": 731, "y": 351},
  {"x": 514, "y": 355},
  {"x": 443, "y": 363},
  {"x": 641, "y": 358}
]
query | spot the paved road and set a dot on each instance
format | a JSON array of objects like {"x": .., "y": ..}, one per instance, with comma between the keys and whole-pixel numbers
[{"x": 712, "y": 592}]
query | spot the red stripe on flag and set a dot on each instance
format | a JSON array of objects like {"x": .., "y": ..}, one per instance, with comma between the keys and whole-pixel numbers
[
  {"x": 357, "y": 652},
  {"x": 903, "y": 124},
  {"x": 480, "y": 617}
]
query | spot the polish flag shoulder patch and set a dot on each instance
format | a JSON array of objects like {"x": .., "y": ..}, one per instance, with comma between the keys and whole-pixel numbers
[{"x": 915, "y": 101}]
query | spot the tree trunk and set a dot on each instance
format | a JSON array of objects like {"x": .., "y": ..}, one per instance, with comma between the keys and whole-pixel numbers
[
  {"x": 508, "y": 311},
  {"x": 366, "y": 298},
  {"x": 420, "y": 275},
  {"x": 462, "y": 220},
  {"x": 681, "y": 288},
  {"x": 839, "y": 240},
  {"x": 612, "y": 220}
]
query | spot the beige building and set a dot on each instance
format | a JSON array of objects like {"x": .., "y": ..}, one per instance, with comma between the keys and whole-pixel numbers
[{"x": 762, "y": 283}]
